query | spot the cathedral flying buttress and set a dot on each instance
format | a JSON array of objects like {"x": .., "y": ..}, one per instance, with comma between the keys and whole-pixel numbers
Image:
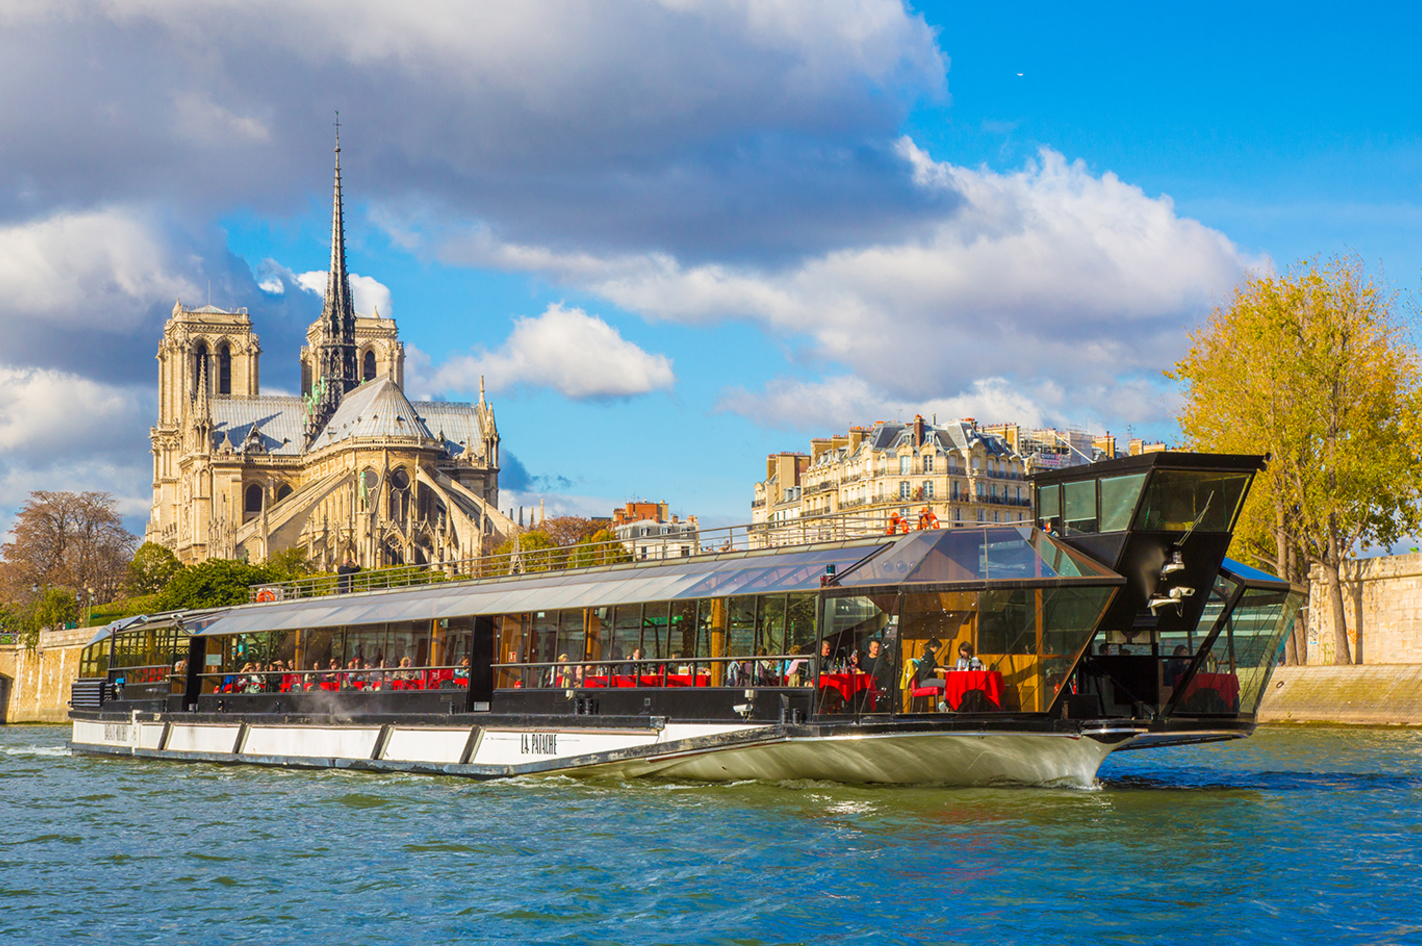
[{"x": 349, "y": 469}]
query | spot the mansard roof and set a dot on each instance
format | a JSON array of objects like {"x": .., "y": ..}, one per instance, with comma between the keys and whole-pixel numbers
[{"x": 280, "y": 423}]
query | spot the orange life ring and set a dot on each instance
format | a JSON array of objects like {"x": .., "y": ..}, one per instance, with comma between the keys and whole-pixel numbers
[{"x": 266, "y": 594}]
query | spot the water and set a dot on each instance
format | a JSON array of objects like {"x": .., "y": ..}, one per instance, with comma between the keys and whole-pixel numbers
[{"x": 1302, "y": 836}]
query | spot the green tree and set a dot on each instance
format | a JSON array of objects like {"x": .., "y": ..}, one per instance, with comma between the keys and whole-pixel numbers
[
  {"x": 212, "y": 584},
  {"x": 153, "y": 566},
  {"x": 1314, "y": 368},
  {"x": 289, "y": 565},
  {"x": 532, "y": 554},
  {"x": 600, "y": 548},
  {"x": 56, "y": 608}
]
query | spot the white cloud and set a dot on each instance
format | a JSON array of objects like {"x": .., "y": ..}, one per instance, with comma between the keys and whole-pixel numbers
[
  {"x": 101, "y": 268},
  {"x": 576, "y": 354},
  {"x": 46, "y": 413},
  {"x": 1050, "y": 272},
  {"x": 368, "y": 294}
]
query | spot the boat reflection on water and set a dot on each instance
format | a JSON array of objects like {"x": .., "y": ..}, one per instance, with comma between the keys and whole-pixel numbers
[{"x": 1114, "y": 622}]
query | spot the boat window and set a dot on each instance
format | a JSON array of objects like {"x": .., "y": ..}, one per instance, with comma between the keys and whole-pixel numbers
[
  {"x": 626, "y": 631},
  {"x": 770, "y": 625},
  {"x": 682, "y": 635},
  {"x": 513, "y": 643},
  {"x": 1118, "y": 500},
  {"x": 741, "y": 642},
  {"x": 800, "y": 622},
  {"x": 572, "y": 633},
  {"x": 1050, "y": 508},
  {"x": 1079, "y": 507},
  {"x": 654, "y": 629},
  {"x": 1025, "y": 639},
  {"x": 94, "y": 660},
  {"x": 545, "y": 636},
  {"x": 1182, "y": 500}
]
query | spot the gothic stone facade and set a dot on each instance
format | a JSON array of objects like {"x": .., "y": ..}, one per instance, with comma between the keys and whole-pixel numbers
[{"x": 351, "y": 469}]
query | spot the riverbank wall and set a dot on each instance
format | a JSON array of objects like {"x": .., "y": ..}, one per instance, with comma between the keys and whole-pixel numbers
[
  {"x": 34, "y": 682},
  {"x": 1368, "y": 695}
]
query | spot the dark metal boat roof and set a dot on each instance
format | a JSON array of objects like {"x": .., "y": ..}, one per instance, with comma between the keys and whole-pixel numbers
[{"x": 953, "y": 556}]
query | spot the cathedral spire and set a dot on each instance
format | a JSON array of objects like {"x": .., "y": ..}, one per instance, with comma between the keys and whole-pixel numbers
[
  {"x": 337, "y": 371},
  {"x": 338, "y": 314}
]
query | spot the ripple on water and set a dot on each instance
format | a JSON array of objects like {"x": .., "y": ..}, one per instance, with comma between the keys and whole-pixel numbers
[{"x": 1238, "y": 842}]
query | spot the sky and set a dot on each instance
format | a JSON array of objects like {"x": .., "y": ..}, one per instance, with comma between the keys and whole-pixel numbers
[{"x": 674, "y": 236}]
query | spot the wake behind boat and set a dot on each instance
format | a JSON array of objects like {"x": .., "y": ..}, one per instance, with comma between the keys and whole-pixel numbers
[{"x": 829, "y": 649}]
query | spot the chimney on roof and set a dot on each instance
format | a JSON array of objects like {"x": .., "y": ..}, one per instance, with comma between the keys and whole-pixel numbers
[{"x": 917, "y": 431}]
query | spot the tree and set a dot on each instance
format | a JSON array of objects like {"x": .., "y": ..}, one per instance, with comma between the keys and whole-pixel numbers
[
  {"x": 532, "y": 554},
  {"x": 153, "y": 566},
  {"x": 212, "y": 584},
  {"x": 56, "y": 608},
  {"x": 600, "y": 548},
  {"x": 72, "y": 540},
  {"x": 1314, "y": 368},
  {"x": 567, "y": 530}
]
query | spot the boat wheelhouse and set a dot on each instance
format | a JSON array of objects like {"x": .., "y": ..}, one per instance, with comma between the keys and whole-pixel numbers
[{"x": 960, "y": 656}]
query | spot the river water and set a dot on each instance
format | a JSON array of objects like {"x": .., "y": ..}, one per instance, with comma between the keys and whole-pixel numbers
[{"x": 1298, "y": 835}]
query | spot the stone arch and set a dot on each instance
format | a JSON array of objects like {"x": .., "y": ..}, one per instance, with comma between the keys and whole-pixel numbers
[
  {"x": 252, "y": 498},
  {"x": 283, "y": 491},
  {"x": 367, "y": 370}
]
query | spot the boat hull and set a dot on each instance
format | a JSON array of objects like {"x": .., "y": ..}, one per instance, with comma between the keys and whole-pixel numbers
[{"x": 653, "y": 749}]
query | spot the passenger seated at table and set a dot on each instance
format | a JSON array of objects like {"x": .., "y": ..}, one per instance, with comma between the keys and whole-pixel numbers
[
  {"x": 1176, "y": 666},
  {"x": 967, "y": 660},
  {"x": 405, "y": 674},
  {"x": 829, "y": 660},
  {"x": 633, "y": 665},
  {"x": 767, "y": 672},
  {"x": 927, "y": 665},
  {"x": 461, "y": 672}
]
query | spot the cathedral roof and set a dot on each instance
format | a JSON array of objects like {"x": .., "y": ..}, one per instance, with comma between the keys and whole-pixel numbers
[
  {"x": 280, "y": 423},
  {"x": 375, "y": 409},
  {"x": 456, "y": 424}
]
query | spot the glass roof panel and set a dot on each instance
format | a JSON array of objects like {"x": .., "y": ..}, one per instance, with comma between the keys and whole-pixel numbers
[{"x": 997, "y": 553}]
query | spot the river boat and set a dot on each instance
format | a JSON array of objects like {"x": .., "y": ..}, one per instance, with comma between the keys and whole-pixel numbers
[{"x": 820, "y": 649}]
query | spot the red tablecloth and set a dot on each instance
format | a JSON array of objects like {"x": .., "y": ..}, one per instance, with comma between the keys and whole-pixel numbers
[
  {"x": 959, "y": 683},
  {"x": 847, "y": 684},
  {"x": 1226, "y": 684},
  {"x": 684, "y": 680}
]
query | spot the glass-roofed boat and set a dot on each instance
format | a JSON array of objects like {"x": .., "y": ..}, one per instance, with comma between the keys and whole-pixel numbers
[{"x": 849, "y": 651}]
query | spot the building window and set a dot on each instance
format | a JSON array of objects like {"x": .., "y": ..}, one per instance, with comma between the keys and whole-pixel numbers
[
  {"x": 904, "y": 489},
  {"x": 928, "y": 489},
  {"x": 283, "y": 492},
  {"x": 994, "y": 515},
  {"x": 224, "y": 370},
  {"x": 980, "y": 516},
  {"x": 252, "y": 499},
  {"x": 905, "y": 466},
  {"x": 928, "y": 463},
  {"x": 957, "y": 514},
  {"x": 368, "y": 369}
]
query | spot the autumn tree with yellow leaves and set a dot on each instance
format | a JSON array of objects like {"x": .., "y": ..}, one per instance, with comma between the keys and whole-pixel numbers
[{"x": 1316, "y": 368}]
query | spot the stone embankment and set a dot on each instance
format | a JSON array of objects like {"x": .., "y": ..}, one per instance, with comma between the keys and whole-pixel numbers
[
  {"x": 1368, "y": 695},
  {"x": 34, "y": 684}
]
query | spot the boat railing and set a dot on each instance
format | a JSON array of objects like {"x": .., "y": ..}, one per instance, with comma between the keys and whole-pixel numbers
[
  {"x": 745, "y": 672},
  {"x": 518, "y": 558},
  {"x": 346, "y": 679}
]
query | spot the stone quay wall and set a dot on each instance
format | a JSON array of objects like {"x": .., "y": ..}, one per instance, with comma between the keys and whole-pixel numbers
[
  {"x": 35, "y": 682},
  {"x": 1382, "y": 606},
  {"x": 1379, "y": 695}
]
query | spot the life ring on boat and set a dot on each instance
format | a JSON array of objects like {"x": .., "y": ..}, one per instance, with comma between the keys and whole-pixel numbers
[{"x": 266, "y": 594}]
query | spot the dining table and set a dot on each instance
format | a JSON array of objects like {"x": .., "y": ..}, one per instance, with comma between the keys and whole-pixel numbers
[{"x": 959, "y": 683}]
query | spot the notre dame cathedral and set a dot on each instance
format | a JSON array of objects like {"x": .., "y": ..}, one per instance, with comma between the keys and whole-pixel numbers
[{"x": 351, "y": 469}]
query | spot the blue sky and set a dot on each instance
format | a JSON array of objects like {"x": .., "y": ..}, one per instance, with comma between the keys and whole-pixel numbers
[{"x": 676, "y": 236}]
